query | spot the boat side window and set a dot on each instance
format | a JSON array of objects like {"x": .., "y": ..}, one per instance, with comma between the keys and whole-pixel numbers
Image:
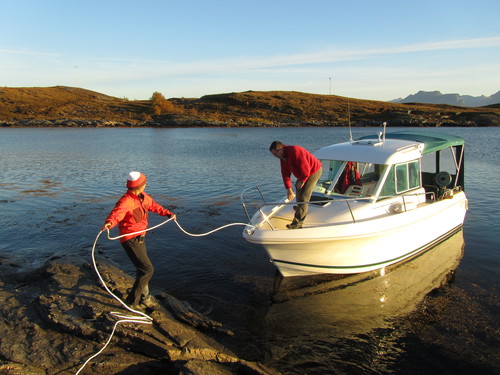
[
  {"x": 401, "y": 178},
  {"x": 414, "y": 174}
]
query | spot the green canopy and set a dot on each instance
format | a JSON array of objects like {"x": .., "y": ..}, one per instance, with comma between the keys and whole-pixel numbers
[{"x": 433, "y": 141}]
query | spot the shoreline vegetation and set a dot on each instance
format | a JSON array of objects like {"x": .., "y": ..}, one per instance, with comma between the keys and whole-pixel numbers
[{"x": 63, "y": 106}]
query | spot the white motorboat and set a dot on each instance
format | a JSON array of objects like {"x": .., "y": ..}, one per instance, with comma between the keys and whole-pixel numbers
[{"x": 381, "y": 199}]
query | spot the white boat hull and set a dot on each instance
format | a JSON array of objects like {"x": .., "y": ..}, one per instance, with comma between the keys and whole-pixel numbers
[{"x": 361, "y": 246}]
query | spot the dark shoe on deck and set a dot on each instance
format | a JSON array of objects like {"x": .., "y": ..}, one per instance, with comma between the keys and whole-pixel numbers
[{"x": 294, "y": 226}]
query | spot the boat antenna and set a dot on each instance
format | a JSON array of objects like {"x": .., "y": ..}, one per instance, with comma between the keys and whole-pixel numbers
[
  {"x": 349, "y": 119},
  {"x": 381, "y": 135}
]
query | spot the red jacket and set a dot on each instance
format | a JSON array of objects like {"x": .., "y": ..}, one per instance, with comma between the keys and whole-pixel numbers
[
  {"x": 131, "y": 214},
  {"x": 300, "y": 162}
]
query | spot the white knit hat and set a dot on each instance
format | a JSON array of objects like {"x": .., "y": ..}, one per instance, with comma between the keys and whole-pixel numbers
[{"x": 135, "y": 179}]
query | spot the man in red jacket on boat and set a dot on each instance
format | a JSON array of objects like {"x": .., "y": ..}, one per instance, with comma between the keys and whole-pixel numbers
[
  {"x": 131, "y": 215},
  {"x": 306, "y": 168}
]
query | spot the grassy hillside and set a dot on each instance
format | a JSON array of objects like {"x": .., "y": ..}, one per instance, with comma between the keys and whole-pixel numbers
[
  {"x": 67, "y": 106},
  {"x": 62, "y": 102}
]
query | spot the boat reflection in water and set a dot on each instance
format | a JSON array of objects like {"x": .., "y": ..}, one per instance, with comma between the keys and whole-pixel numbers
[{"x": 357, "y": 304}]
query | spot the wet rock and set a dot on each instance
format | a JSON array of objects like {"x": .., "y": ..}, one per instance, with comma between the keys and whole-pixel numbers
[
  {"x": 54, "y": 318},
  {"x": 185, "y": 312}
]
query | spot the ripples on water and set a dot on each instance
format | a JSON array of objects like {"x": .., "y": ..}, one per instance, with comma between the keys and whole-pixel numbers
[{"x": 58, "y": 185}]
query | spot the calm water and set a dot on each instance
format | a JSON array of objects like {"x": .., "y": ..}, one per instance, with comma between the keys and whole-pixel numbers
[{"x": 436, "y": 314}]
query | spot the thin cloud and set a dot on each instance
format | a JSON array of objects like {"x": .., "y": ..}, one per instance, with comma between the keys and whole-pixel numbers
[
  {"x": 446, "y": 45},
  {"x": 336, "y": 55},
  {"x": 24, "y": 52},
  {"x": 331, "y": 55},
  {"x": 164, "y": 68}
]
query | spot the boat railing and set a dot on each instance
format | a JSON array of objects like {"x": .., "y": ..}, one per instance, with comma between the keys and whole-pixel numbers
[
  {"x": 243, "y": 201},
  {"x": 278, "y": 206}
]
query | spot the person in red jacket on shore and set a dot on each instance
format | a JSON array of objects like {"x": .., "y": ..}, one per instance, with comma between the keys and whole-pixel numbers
[
  {"x": 131, "y": 215},
  {"x": 306, "y": 168}
]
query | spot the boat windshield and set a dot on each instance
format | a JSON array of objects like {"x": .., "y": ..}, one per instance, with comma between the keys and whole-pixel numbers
[{"x": 349, "y": 178}]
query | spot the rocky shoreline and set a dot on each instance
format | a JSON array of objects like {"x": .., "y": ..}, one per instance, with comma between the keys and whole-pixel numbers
[
  {"x": 70, "y": 123},
  {"x": 57, "y": 316},
  {"x": 482, "y": 120}
]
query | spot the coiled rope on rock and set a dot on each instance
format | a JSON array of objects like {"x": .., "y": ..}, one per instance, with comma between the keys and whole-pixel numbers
[{"x": 139, "y": 317}]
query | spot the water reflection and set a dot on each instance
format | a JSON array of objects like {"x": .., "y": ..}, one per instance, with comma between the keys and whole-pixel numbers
[{"x": 357, "y": 304}]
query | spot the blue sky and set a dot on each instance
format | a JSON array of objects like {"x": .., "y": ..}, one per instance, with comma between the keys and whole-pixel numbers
[{"x": 363, "y": 49}]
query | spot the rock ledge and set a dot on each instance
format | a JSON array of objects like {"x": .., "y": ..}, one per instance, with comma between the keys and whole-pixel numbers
[{"x": 54, "y": 318}]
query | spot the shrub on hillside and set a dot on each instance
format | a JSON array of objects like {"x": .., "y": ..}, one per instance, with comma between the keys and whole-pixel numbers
[{"x": 162, "y": 106}]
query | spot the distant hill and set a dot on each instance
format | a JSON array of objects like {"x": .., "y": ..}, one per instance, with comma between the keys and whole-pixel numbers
[
  {"x": 76, "y": 107},
  {"x": 62, "y": 102},
  {"x": 435, "y": 97}
]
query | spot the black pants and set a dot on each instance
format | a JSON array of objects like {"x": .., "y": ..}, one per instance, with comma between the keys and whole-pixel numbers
[{"x": 136, "y": 251}]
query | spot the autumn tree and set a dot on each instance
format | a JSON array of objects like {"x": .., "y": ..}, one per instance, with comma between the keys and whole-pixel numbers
[{"x": 161, "y": 105}]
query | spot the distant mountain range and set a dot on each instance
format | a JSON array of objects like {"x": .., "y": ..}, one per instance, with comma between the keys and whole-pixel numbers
[{"x": 435, "y": 97}]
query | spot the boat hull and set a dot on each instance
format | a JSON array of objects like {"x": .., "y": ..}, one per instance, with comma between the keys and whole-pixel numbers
[{"x": 361, "y": 246}]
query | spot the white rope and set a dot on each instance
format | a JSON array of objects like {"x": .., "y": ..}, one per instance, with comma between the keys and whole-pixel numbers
[
  {"x": 212, "y": 231},
  {"x": 139, "y": 232},
  {"x": 181, "y": 228},
  {"x": 107, "y": 342},
  {"x": 140, "y": 317}
]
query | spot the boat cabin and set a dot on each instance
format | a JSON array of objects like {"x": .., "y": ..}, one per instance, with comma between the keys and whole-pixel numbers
[{"x": 398, "y": 163}]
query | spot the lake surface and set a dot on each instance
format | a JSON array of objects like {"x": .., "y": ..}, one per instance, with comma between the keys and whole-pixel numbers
[{"x": 436, "y": 314}]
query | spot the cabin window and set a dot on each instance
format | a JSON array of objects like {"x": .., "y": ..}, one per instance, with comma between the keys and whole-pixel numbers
[
  {"x": 349, "y": 178},
  {"x": 441, "y": 161},
  {"x": 330, "y": 170},
  {"x": 370, "y": 172},
  {"x": 401, "y": 178},
  {"x": 389, "y": 187},
  {"x": 414, "y": 175}
]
